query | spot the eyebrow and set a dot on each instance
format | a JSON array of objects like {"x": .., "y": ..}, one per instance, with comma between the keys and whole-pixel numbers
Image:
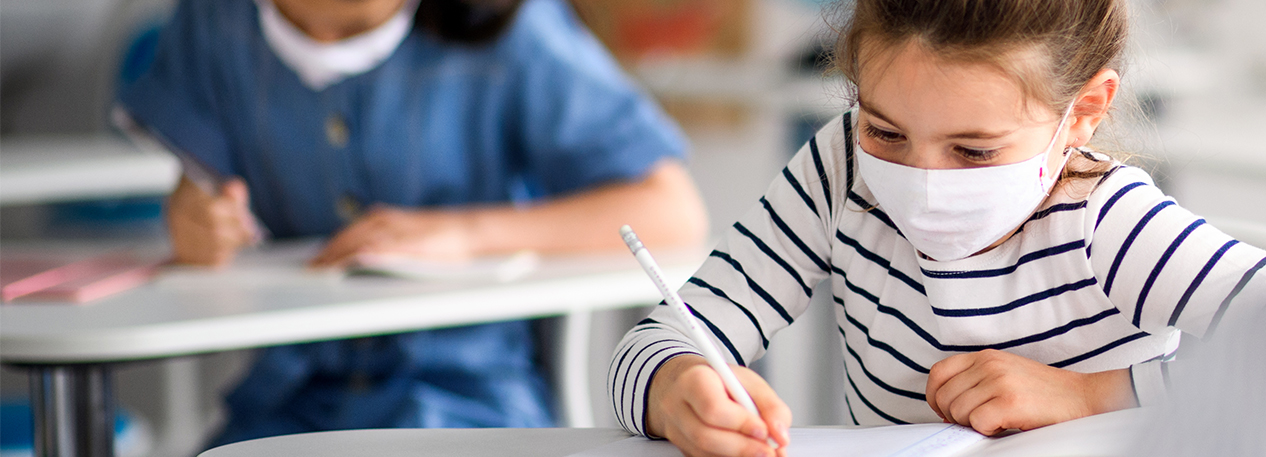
[
  {"x": 980, "y": 135},
  {"x": 874, "y": 112},
  {"x": 972, "y": 134}
]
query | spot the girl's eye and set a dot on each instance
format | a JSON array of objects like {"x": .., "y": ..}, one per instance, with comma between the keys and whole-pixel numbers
[
  {"x": 883, "y": 135},
  {"x": 977, "y": 155}
]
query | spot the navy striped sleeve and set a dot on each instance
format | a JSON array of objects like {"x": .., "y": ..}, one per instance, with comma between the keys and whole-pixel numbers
[
  {"x": 1162, "y": 266},
  {"x": 756, "y": 282}
]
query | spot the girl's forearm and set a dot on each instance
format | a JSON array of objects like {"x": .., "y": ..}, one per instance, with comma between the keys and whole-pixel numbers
[
  {"x": 1110, "y": 391},
  {"x": 665, "y": 208}
]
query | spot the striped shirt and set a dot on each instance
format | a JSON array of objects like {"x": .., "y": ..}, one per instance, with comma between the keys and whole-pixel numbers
[{"x": 1101, "y": 282}]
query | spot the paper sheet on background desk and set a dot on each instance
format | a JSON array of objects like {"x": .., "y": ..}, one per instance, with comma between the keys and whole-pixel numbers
[
  {"x": 285, "y": 263},
  {"x": 498, "y": 268},
  {"x": 274, "y": 264},
  {"x": 923, "y": 440},
  {"x": 250, "y": 276}
]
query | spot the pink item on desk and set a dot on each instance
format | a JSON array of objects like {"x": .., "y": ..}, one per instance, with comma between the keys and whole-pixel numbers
[
  {"x": 24, "y": 276},
  {"x": 48, "y": 279}
]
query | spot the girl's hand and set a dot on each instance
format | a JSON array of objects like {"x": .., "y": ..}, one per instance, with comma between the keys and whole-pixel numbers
[
  {"x": 432, "y": 235},
  {"x": 209, "y": 229},
  {"x": 992, "y": 391},
  {"x": 689, "y": 406}
]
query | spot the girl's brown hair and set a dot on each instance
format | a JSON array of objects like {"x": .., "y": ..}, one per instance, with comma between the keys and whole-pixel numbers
[{"x": 1073, "y": 40}]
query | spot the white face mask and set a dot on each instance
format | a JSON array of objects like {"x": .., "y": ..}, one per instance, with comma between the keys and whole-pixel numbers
[{"x": 954, "y": 213}]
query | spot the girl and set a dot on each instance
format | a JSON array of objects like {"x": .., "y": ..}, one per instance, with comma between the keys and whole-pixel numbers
[
  {"x": 988, "y": 268},
  {"x": 439, "y": 128}
]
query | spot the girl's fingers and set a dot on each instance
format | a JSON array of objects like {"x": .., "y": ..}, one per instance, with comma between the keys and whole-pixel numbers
[
  {"x": 236, "y": 192},
  {"x": 727, "y": 415},
  {"x": 336, "y": 252},
  {"x": 712, "y": 405},
  {"x": 345, "y": 243},
  {"x": 962, "y": 405},
  {"x": 774, "y": 412},
  {"x": 953, "y": 388},
  {"x": 712, "y": 441},
  {"x": 224, "y": 214},
  {"x": 696, "y": 438},
  {"x": 941, "y": 373},
  {"x": 229, "y": 215},
  {"x": 377, "y": 243},
  {"x": 210, "y": 235},
  {"x": 988, "y": 417}
]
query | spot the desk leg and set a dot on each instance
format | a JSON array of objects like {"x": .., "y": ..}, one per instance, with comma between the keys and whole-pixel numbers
[
  {"x": 574, "y": 376},
  {"x": 73, "y": 408}
]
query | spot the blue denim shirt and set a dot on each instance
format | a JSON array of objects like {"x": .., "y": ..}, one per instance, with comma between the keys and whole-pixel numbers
[{"x": 541, "y": 111}]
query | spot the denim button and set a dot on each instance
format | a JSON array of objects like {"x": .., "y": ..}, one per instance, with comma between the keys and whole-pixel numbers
[
  {"x": 336, "y": 131},
  {"x": 348, "y": 208}
]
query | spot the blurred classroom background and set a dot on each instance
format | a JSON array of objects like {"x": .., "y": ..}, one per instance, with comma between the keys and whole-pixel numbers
[{"x": 746, "y": 79}]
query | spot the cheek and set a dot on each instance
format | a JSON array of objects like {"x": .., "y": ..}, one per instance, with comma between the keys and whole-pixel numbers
[{"x": 874, "y": 147}]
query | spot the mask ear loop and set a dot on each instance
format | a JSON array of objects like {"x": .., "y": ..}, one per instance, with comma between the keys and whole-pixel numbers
[{"x": 1048, "y": 181}]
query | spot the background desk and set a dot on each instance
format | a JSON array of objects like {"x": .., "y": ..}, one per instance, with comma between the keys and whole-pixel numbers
[{"x": 267, "y": 299}]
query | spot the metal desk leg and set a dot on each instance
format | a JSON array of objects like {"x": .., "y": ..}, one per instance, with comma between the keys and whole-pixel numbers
[
  {"x": 574, "y": 376},
  {"x": 73, "y": 408}
]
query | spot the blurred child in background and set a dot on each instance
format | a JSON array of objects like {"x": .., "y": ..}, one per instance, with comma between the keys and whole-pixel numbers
[{"x": 443, "y": 129}]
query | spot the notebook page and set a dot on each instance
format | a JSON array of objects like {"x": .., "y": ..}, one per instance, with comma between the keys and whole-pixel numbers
[{"x": 1103, "y": 435}]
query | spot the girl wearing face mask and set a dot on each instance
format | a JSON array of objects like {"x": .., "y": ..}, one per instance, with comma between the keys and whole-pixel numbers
[{"x": 987, "y": 266}]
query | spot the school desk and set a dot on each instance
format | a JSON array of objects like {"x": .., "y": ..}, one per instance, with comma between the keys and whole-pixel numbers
[
  {"x": 55, "y": 168},
  {"x": 266, "y": 298},
  {"x": 1111, "y": 434}
]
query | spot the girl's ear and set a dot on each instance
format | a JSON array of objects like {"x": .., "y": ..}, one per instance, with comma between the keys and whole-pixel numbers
[{"x": 1092, "y": 105}]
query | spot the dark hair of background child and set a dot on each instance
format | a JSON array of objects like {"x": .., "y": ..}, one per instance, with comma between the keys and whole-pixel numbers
[{"x": 465, "y": 21}]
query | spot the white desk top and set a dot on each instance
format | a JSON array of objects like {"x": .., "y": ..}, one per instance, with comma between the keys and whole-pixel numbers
[
  {"x": 518, "y": 442},
  {"x": 267, "y": 298},
  {"x": 1104, "y": 435}
]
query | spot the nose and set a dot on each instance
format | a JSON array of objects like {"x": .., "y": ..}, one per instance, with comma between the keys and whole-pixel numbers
[{"x": 928, "y": 157}]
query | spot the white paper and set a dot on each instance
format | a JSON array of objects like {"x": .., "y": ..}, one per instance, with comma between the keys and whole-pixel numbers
[
  {"x": 928, "y": 440},
  {"x": 1103, "y": 435},
  {"x": 282, "y": 263},
  {"x": 497, "y": 268}
]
